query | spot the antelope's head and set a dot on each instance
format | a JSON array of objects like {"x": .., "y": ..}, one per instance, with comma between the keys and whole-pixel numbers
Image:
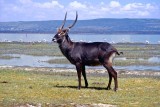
[{"x": 61, "y": 32}]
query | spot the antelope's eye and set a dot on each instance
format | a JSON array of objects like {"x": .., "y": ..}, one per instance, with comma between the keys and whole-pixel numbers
[{"x": 61, "y": 33}]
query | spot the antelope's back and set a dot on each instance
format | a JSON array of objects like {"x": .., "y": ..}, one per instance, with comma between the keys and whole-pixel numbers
[{"x": 91, "y": 53}]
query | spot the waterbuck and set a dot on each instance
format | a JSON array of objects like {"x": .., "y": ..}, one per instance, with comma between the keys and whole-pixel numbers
[{"x": 83, "y": 54}]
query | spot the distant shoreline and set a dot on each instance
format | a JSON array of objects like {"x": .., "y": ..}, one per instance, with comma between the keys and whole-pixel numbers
[
  {"x": 106, "y": 33},
  {"x": 95, "y": 26}
]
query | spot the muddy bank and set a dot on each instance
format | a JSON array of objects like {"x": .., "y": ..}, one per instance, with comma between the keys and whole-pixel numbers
[
  {"x": 70, "y": 105},
  {"x": 90, "y": 71}
]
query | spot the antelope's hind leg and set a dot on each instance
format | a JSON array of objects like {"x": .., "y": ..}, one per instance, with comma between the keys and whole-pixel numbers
[
  {"x": 110, "y": 80},
  {"x": 112, "y": 73},
  {"x": 115, "y": 79}
]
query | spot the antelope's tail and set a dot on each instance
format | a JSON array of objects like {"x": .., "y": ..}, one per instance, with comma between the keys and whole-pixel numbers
[{"x": 119, "y": 53}]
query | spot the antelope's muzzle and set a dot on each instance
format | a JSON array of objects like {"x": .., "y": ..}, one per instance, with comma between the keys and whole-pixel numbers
[{"x": 54, "y": 40}]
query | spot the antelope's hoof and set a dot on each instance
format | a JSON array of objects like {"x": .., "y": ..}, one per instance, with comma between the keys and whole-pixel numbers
[
  {"x": 108, "y": 88},
  {"x": 115, "y": 89},
  {"x": 78, "y": 88},
  {"x": 86, "y": 86}
]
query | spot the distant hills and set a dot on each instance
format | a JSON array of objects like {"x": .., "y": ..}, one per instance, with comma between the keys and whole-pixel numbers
[{"x": 98, "y": 26}]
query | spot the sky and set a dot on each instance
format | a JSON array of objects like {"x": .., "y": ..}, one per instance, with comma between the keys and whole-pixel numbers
[{"x": 38, "y": 10}]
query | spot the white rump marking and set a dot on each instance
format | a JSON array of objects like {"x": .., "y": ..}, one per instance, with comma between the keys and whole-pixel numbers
[{"x": 112, "y": 57}]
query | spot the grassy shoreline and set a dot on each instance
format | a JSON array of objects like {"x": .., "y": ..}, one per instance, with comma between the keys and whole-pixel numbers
[
  {"x": 18, "y": 87},
  {"x": 131, "y": 50},
  {"x": 50, "y": 87},
  {"x": 134, "y": 54}
]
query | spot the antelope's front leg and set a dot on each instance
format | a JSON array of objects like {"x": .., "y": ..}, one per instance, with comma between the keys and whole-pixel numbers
[{"x": 79, "y": 71}]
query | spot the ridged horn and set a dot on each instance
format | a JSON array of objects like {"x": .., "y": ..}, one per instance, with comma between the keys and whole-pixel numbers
[
  {"x": 64, "y": 21},
  {"x": 74, "y": 21}
]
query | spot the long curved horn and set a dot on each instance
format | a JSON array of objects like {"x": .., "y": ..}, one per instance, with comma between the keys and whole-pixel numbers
[
  {"x": 74, "y": 21},
  {"x": 64, "y": 21}
]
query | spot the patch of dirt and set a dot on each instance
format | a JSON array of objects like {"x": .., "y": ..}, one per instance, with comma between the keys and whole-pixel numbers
[
  {"x": 66, "y": 105},
  {"x": 98, "y": 71},
  {"x": 95, "y": 105}
]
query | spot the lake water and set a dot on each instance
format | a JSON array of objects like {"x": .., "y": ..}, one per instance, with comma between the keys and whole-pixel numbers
[
  {"x": 41, "y": 61},
  {"x": 142, "y": 38}
]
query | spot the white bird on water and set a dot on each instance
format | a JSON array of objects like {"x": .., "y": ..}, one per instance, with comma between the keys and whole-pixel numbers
[
  {"x": 44, "y": 40},
  {"x": 147, "y": 42}
]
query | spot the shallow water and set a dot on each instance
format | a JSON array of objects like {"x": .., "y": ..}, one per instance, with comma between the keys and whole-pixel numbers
[
  {"x": 150, "y": 60},
  {"x": 40, "y": 61},
  {"x": 154, "y": 60}
]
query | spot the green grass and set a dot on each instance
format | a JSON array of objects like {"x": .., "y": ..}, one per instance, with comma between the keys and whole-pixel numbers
[
  {"x": 130, "y": 62},
  {"x": 7, "y": 57},
  {"x": 127, "y": 62},
  {"x": 52, "y": 49},
  {"x": 18, "y": 87},
  {"x": 35, "y": 49}
]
